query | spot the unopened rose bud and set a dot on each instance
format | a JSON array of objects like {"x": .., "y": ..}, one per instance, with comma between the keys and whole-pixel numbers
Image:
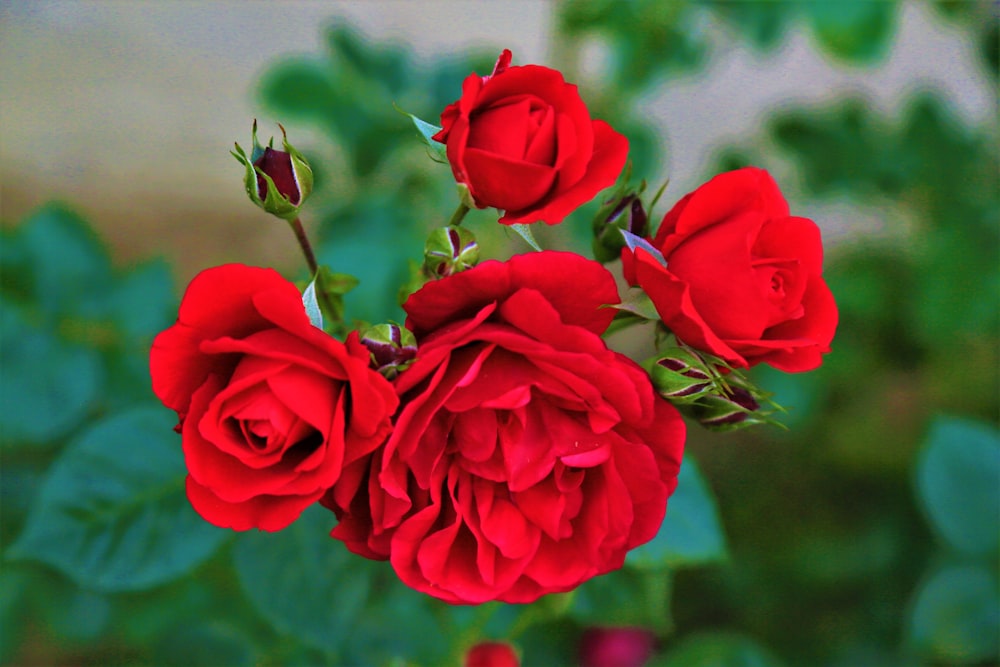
[
  {"x": 278, "y": 181},
  {"x": 624, "y": 211},
  {"x": 680, "y": 375},
  {"x": 450, "y": 250},
  {"x": 616, "y": 647},
  {"x": 392, "y": 348},
  {"x": 492, "y": 654},
  {"x": 730, "y": 410}
]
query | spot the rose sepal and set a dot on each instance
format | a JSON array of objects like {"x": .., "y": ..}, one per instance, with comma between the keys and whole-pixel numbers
[
  {"x": 450, "y": 250},
  {"x": 392, "y": 347},
  {"x": 323, "y": 299},
  {"x": 623, "y": 209},
  {"x": 708, "y": 390},
  {"x": 435, "y": 149}
]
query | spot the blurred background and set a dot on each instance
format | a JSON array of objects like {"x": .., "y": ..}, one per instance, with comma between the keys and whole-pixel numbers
[{"x": 864, "y": 535}]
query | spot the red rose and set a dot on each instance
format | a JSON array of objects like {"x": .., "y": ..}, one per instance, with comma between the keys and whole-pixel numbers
[
  {"x": 491, "y": 654},
  {"x": 743, "y": 278},
  {"x": 271, "y": 408},
  {"x": 527, "y": 457},
  {"x": 523, "y": 141}
]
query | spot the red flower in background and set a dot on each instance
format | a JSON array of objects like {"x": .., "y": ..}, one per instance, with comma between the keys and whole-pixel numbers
[
  {"x": 742, "y": 278},
  {"x": 616, "y": 647},
  {"x": 527, "y": 457},
  {"x": 523, "y": 141},
  {"x": 271, "y": 408},
  {"x": 491, "y": 654}
]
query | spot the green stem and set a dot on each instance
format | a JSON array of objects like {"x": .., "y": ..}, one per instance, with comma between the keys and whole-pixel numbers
[
  {"x": 458, "y": 215},
  {"x": 300, "y": 235}
]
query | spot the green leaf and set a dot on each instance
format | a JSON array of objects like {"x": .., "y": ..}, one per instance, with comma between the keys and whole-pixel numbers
[
  {"x": 524, "y": 231},
  {"x": 312, "y": 305},
  {"x": 48, "y": 386},
  {"x": 956, "y": 615},
  {"x": 112, "y": 513},
  {"x": 299, "y": 88},
  {"x": 70, "y": 266},
  {"x": 762, "y": 22},
  {"x": 205, "y": 643},
  {"x": 426, "y": 130},
  {"x": 14, "y": 585},
  {"x": 398, "y": 623},
  {"x": 717, "y": 650},
  {"x": 691, "y": 533},
  {"x": 639, "y": 597},
  {"x": 143, "y": 303},
  {"x": 854, "y": 30},
  {"x": 305, "y": 583},
  {"x": 956, "y": 478}
]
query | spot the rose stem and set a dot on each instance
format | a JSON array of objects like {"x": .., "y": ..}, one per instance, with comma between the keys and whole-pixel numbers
[
  {"x": 307, "y": 250},
  {"x": 456, "y": 217}
]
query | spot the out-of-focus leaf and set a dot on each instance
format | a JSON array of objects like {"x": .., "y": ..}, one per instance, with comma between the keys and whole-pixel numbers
[
  {"x": 48, "y": 386},
  {"x": 956, "y": 615},
  {"x": 143, "y": 303},
  {"x": 372, "y": 241},
  {"x": 299, "y": 88},
  {"x": 716, "y": 650},
  {"x": 628, "y": 596},
  {"x": 668, "y": 40},
  {"x": 112, "y": 513},
  {"x": 14, "y": 584},
  {"x": 398, "y": 623},
  {"x": 763, "y": 22},
  {"x": 854, "y": 30},
  {"x": 72, "y": 614},
  {"x": 305, "y": 583},
  {"x": 691, "y": 533},
  {"x": 205, "y": 643},
  {"x": 956, "y": 478},
  {"x": 70, "y": 268}
]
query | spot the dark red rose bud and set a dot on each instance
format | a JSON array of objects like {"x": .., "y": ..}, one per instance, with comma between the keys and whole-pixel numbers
[
  {"x": 277, "y": 181},
  {"x": 492, "y": 654},
  {"x": 616, "y": 647},
  {"x": 277, "y": 165},
  {"x": 392, "y": 348}
]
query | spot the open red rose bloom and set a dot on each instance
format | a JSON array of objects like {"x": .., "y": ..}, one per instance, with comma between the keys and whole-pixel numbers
[
  {"x": 523, "y": 141},
  {"x": 271, "y": 408},
  {"x": 527, "y": 457},
  {"x": 742, "y": 278}
]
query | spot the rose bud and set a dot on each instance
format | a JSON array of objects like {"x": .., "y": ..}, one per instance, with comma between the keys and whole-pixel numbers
[
  {"x": 450, "y": 250},
  {"x": 733, "y": 409},
  {"x": 392, "y": 348},
  {"x": 276, "y": 181},
  {"x": 492, "y": 654},
  {"x": 680, "y": 376},
  {"x": 616, "y": 647},
  {"x": 622, "y": 212}
]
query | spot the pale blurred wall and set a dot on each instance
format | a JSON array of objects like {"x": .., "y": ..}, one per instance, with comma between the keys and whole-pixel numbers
[{"x": 127, "y": 109}]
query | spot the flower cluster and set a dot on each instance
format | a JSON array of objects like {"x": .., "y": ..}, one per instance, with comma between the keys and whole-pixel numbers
[{"x": 494, "y": 447}]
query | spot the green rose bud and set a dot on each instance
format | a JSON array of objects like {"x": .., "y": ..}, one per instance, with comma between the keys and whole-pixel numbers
[
  {"x": 392, "y": 348},
  {"x": 450, "y": 250},
  {"x": 681, "y": 376},
  {"x": 276, "y": 181}
]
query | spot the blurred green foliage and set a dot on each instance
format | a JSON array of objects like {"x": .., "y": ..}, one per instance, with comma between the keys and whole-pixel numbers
[{"x": 865, "y": 535}]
